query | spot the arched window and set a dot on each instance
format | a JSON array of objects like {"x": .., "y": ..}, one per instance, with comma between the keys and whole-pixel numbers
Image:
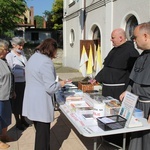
[
  {"x": 96, "y": 33},
  {"x": 131, "y": 24},
  {"x": 97, "y": 49},
  {"x": 72, "y": 37}
]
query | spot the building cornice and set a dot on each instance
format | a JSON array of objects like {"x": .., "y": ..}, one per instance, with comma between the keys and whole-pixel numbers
[
  {"x": 73, "y": 15},
  {"x": 89, "y": 8},
  {"x": 98, "y": 4}
]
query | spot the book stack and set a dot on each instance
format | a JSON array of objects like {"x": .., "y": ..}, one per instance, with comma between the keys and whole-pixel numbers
[
  {"x": 74, "y": 99},
  {"x": 80, "y": 106},
  {"x": 112, "y": 107}
]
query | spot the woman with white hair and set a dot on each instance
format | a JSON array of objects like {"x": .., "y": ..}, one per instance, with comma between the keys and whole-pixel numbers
[{"x": 16, "y": 60}]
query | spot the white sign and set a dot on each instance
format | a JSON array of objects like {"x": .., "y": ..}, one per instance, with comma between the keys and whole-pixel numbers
[{"x": 127, "y": 106}]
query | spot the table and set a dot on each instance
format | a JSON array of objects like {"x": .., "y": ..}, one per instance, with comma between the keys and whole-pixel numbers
[{"x": 90, "y": 128}]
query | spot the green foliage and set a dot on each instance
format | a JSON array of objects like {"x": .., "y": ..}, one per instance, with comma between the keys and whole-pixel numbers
[
  {"x": 57, "y": 14},
  {"x": 39, "y": 21},
  {"x": 57, "y": 6},
  {"x": 29, "y": 49},
  {"x": 54, "y": 18},
  {"x": 57, "y": 26},
  {"x": 10, "y": 12},
  {"x": 49, "y": 23},
  {"x": 9, "y": 34}
]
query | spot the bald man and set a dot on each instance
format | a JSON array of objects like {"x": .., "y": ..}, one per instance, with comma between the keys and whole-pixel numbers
[
  {"x": 140, "y": 85},
  {"x": 114, "y": 76}
]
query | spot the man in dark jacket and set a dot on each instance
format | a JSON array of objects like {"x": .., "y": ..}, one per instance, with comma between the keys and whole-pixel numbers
[{"x": 114, "y": 76}]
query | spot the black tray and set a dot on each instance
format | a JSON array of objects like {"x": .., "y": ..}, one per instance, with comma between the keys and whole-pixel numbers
[{"x": 118, "y": 122}]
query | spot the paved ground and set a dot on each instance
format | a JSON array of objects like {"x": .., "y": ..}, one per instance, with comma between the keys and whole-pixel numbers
[
  {"x": 63, "y": 137},
  {"x": 66, "y": 72}
]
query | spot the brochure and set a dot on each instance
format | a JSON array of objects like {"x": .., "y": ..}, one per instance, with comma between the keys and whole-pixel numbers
[{"x": 127, "y": 106}]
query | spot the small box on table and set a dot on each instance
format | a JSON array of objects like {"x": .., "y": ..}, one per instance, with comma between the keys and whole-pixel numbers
[
  {"x": 138, "y": 113},
  {"x": 111, "y": 122},
  {"x": 85, "y": 86},
  {"x": 112, "y": 107}
]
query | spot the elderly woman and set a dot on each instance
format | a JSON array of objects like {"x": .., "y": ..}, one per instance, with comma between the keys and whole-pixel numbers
[
  {"x": 16, "y": 60},
  {"x": 41, "y": 85},
  {"x": 5, "y": 92}
]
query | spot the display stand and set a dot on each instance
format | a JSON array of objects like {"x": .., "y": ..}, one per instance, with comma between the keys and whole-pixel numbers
[{"x": 128, "y": 106}]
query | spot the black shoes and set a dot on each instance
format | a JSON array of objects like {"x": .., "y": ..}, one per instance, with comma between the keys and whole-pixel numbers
[
  {"x": 25, "y": 123},
  {"x": 20, "y": 127}
]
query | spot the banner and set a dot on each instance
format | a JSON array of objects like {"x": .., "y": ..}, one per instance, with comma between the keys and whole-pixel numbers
[
  {"x": 99, "y": 60},
  {"x": 84, "y": 59},
  {"x": 90, "y": 62}
]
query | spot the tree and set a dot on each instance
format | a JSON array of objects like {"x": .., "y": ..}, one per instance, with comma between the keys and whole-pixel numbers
[
  {"x": 39, "y": 21},
  {"x": 54, "y": 17},
  {"x": 49, "y": 23},
  {"x": 10, "y": 13}
]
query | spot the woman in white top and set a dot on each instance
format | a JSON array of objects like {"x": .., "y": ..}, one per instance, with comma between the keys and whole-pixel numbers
[{"x": 16, "y": 60}]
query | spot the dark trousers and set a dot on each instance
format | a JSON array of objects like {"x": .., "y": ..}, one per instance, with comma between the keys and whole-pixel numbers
[
  {"x": 18, "y": 102},
  {"x": 42, "y": 136},
  {"x": 113, "y": 91}
]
